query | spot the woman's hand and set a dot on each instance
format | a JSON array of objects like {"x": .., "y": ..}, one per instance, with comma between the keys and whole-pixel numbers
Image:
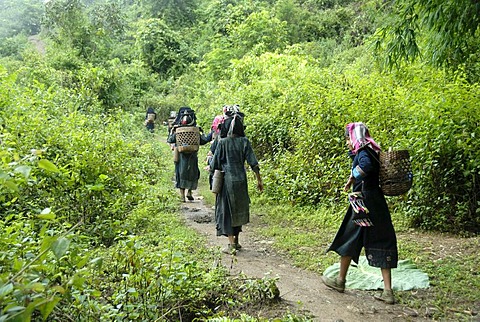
[
  {"x": 260, "y": 185},
  {"x": 259, "y": 180},
  {"x": 349, "y": 183}
]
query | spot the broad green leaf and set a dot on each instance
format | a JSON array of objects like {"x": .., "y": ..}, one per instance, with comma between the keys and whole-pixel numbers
[
  {"x": 47, "y": 242},
  {"x": 60, "y": 247},
  {"x": 97, "y": 262},
  {"x": 24, "y": 170},
  {"x": 59, "y": 289},
  {"x": 82, "y": 262},
  {"x": 17, "y": 264},
  {"x": 46, "y": 214},
  {"x": 48, "y": 307},
  {"x": 37, "y": 287},
  {"x": 96, "y": 187},
  {"x": 77, "y": 281},
  {"x": 364, "y": 277},
  {"x": 11, "y": 185},
  {"x": 47, "y": 165},
  {"x": 5, "y": 290},
  {"x": 14, "y": 308},
  {"x": 27, "y": 314}
]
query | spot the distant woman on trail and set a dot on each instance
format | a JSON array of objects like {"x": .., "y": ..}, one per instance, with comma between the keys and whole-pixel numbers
[
  {"x": 232, "y": 209},
  {"x": 150, "y": 118},
  {"x": 186, "y": 167},
  {"x": 367, "y": 223}
]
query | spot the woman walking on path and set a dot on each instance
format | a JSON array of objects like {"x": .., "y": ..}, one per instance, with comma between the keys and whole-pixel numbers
[
  {"x": 371, "y": 229},
  {"x": 150, "y": 118},
  {"x": 232, "y": 205},
  {"x": 213, "y": 137},
  {"x": 187, "y": 172}
]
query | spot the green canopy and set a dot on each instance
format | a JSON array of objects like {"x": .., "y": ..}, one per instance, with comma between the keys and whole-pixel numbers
[{"x": 364, "y": 277}]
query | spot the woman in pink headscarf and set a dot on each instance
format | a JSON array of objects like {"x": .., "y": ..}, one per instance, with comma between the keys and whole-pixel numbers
[
  {"x": 212, "y": 137},
  {"x": 367, "y": 223}
]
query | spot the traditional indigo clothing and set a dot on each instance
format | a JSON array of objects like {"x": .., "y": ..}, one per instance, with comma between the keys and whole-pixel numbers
[
  {"x": 150, "y": 125},
  {"x": 232, "y": 207},
  {"x": 187, "y": 172},
  {"x": 379, "y": 240}
]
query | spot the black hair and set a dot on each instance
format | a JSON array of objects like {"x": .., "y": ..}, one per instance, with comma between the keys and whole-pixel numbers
[{"x": 238, "y": 127}]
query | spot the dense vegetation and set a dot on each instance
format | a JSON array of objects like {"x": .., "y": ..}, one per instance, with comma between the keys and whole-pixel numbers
[{"x": 80, "y": 178}]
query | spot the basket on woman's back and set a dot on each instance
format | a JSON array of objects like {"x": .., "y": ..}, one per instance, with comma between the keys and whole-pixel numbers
[
  {"x": 396, "y": 175},
  {"x": 188, "y": 139}
]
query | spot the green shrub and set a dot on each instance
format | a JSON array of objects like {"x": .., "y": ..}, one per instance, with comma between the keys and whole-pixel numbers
[{"x": 296, "y": 113}]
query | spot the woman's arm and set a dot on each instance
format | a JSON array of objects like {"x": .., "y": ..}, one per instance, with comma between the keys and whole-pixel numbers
[
  {"x": 256, "y": 170},
  {"x": 364, "y": 165},
  {"x": 172, "y": 138}
]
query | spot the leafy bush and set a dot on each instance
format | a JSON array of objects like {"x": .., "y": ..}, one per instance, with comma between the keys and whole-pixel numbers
[
  {"x": 161, "y": 48},
  {"x": 89, "y": 224},
  {"x": 296, "y": 113}
]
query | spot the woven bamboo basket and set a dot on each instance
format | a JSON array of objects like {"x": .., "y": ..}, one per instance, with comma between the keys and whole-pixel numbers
[
  {"x": 188, "y": 139},
  {"x": 150, "y": 117},
  {"x": 396, "y": 176}
]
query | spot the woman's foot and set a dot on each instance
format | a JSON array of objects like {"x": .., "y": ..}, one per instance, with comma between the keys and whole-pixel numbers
[
  {"x": 189, "y": 195},
  {"x": 386, "y": 296},
  {"x": 235, "y": 243},
  {"x": 230, "y": 250},
  {"x": 336, "y": 284}
]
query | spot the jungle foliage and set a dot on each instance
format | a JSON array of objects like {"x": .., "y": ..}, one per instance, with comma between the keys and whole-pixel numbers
[{"x": 88, "y": 223}]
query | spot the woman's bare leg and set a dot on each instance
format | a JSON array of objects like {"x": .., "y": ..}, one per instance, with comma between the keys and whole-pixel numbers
[
  {"x": 344, "y": 265},
  {"x": 387, "y": 278}
]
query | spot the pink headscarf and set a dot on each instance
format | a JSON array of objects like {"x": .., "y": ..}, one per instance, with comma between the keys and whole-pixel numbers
[
  {"x": 360, "y": 137},
  {"x": 216, "y": 122}
]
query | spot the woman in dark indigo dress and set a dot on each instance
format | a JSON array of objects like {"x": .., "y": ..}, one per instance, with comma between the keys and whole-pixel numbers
[
  {"x": 232, "y": 203},
  {"x": 187, "y": 172},
  {"x": 150, "y": 118},
  {"x": 379, "y": 240}
]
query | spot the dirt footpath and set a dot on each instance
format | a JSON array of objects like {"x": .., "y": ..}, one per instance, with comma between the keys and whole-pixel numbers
[{"x": 300, "y": 290}]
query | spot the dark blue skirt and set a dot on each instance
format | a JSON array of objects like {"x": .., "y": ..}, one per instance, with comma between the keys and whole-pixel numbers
[
  {"x": 223, "y": 216},
  {"x": 379, "y": 241}
]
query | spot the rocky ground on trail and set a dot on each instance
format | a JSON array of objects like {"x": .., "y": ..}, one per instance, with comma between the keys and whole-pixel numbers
[{"x": 301, "y": 291}]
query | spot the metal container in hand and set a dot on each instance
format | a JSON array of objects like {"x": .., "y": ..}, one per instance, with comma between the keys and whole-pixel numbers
[{"x": 217, "y": 181}]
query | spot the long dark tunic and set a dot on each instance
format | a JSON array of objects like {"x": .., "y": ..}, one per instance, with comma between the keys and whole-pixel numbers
[
  {"x": 379, "y": 241},
  {"x": 150, "y": 125},
  {"x": 232, "y": 206},
  {"x": 187, "y": 172}
]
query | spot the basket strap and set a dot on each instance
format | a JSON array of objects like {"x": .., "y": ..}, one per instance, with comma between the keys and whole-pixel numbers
[{"x": 373, "y": 156}]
